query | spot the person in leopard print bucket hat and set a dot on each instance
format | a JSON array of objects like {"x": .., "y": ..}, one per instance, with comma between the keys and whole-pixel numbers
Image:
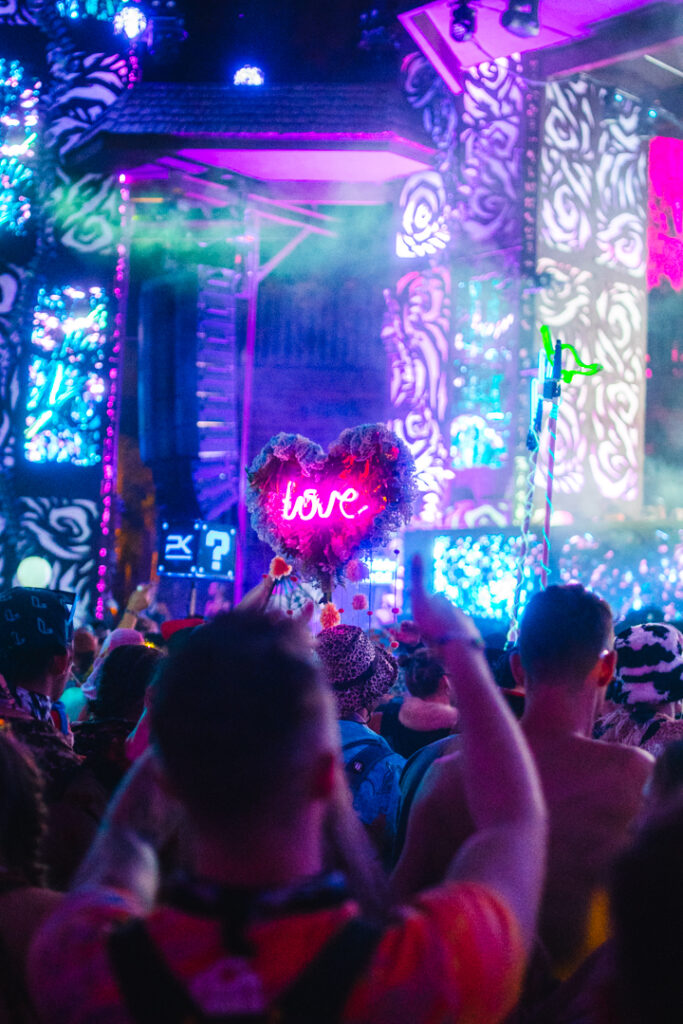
[
  {"x": 361, "y": 672},
  {"x": 648, "y": 688}
]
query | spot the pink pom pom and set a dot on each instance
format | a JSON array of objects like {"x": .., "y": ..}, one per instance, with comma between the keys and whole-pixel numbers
[
  {"x": 395, "y": 611},
  {"x": 356, "y": 571},
  {"x": 359, "y": 603},
  {"x": 393, "y": 644}
]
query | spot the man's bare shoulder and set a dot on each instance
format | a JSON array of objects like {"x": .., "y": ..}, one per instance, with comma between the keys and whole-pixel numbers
[
  {"x": 636, "y": 762},
  {"x": 580, "y": 765},
  {"x": 617, "y": 752}
]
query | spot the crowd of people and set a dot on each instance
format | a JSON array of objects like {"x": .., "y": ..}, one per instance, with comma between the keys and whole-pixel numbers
[{"x": 237, "y": 820}]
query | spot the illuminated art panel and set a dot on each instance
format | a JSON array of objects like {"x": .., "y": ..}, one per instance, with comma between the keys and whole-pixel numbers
[
  {"x": 478, "y": 572},
  {"x": 18, "y": 134},
  {"x": 482, "y": 361},
  {"x": 67, "y": 377}
]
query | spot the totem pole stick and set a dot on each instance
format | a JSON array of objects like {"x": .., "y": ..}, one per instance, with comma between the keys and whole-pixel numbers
[{"x": 553, "y": 389}]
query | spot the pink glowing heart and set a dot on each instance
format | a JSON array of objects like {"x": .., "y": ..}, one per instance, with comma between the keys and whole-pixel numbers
[{"x": 319, "y": 509}]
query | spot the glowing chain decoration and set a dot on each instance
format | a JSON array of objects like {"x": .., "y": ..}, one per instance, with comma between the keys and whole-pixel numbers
[
  {"x": 18, "y": 133},
  {"x": 526, "y": 539}
]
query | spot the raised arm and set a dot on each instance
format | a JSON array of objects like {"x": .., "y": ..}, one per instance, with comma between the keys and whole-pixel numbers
[
  {"x": 495, "y": 769},
  {"x": 136, "y": 604},
  {"x": 140, "y": 819}
]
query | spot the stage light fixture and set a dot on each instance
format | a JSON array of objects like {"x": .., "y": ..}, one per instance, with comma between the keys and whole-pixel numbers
[
  {"x": 248, "y": 74},
  {"x": 166, "y": 32},
  {"x": 613, "y": 104},
  {"x": 521, "y": 18},
  {"x": 648, "y": 121},
  {"x": 131, "y": 21},
  {"x": 463, "y": 21}
]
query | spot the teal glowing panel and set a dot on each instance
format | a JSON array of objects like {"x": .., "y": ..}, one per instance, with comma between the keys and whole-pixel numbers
[
  {"x": 68, "y": 377},
  {"x": 18, "y": 134},
  {"x": 478, "y": 571}
]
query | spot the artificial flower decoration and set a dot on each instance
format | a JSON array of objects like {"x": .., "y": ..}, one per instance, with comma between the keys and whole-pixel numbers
[
  {"x": 356, "y": 571},
  {"x": 279, "y": 568},
  {"x": 329, "y": 616}
]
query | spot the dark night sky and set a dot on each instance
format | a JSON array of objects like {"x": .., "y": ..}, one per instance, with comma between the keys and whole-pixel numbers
[{"x": 292, "y": 40}]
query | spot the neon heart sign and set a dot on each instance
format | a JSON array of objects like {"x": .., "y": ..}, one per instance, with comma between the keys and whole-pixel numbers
[
  {"x": 311, "y": 505},
  {"x": 318, "y": 510}
]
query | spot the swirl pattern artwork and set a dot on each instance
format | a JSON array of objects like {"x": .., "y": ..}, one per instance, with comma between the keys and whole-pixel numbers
[
  {"x": 12, "y": 279},
  {"x": 17, "y": 12},
  {"x": 451, "y": 352},
  {"x": 490, "y": 154},
  {"x": 592, "y": 243},
  {"x": 82, "y": 209},
  {"x": 415, "y": 337},
  {"x": 424, "y": 228},
  {"x": 65, "y": 532}
]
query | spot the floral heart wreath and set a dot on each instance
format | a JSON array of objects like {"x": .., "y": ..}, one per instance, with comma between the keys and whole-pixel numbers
[{"x": 320, "y": 509}]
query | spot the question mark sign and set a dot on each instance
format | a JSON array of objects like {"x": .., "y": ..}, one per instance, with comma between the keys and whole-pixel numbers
[{"x": 219, "y": 542}]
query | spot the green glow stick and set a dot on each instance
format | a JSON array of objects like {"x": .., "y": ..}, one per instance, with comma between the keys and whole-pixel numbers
[{"x": 584, "y": 369}]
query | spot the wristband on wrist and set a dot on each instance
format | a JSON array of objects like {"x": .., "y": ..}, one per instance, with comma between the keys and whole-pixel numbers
[{"x": 459, "y": 638}]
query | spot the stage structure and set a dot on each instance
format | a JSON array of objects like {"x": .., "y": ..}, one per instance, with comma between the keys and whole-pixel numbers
[
  {"x": 520, "y": 198},
  {"x": 231, "y": 185},
  {"x": 63, "y": 281},
  {"x": 534, "y": 213}
]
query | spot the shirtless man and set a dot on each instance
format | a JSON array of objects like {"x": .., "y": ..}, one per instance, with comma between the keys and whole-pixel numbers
[{"x": 593, "y": 790}]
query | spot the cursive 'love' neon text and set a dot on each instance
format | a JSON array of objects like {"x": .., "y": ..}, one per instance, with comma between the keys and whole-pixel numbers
[{"x": 312, "y": 504}]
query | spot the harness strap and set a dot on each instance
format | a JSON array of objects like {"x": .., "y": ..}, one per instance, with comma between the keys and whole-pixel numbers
[{"x": 153, "y": 993}]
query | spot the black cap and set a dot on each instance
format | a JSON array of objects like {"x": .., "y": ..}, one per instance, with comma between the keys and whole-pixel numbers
[{"x": 36, "y": 617}]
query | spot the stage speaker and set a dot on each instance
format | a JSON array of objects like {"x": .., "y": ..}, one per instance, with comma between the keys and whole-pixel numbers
[{"x": 167, "y": 389}]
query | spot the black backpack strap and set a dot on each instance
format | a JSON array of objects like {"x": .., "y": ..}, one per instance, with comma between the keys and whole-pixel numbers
[
  {"x": 149, "y": 987},
  {"x": 319, "y": 994},
  {"x": 152, "y": 993}
]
